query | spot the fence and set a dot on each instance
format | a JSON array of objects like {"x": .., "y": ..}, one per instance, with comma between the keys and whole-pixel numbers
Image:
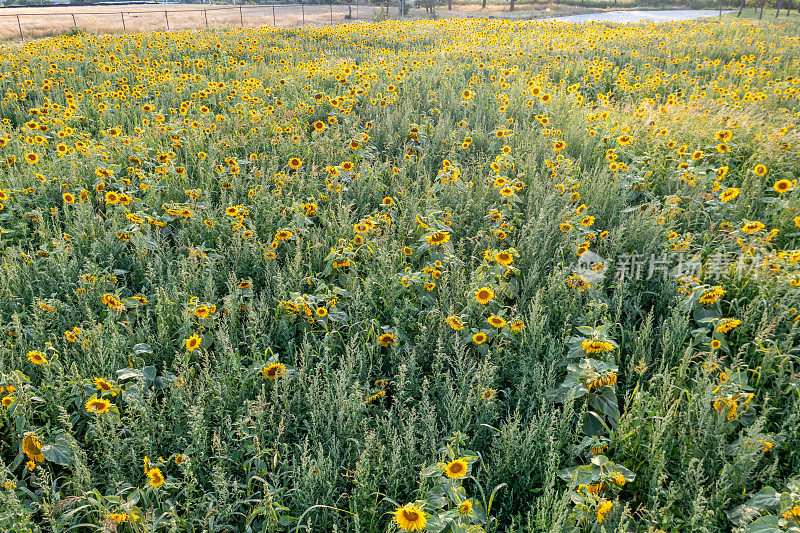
[{"x": 54, "y": 20}]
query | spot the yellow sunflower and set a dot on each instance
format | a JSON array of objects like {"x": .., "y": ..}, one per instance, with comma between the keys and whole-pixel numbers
[
  {"x": 496, "y": 321},
  {"x": 410, "y": 518},
  {"x": 37, "y": 358},
  {"x": 479, "y": 338},
  {"x": 455, "y": 323},
  {"x": 386, "y": 340},
  {"x": 484, "y": 295},
  {"x": 456, "y": 469},
  {"x": 438, "y": 238},
  {"x": 273, "y": 371},
  {"x": 32, "y": 448},
  {"x": 193, "y": 342},
  {"x": 729, "y": 194},
  {"x": 782, "y": 186},
  {"x": 155, "y": 477},
  {"x": 97, "y": 405}
]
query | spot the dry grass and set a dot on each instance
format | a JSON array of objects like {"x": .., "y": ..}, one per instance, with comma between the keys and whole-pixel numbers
[{"x": 46, "y": 21}]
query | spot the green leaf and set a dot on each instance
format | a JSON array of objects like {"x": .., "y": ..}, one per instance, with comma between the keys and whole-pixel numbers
[
  {"x": 765, "y": 524},
  {"x": 766, "y": 498},
  {"x": 59, "y": 454}
]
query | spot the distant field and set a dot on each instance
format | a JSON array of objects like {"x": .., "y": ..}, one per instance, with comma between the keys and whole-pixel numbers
[
  {"x": 38, "y": 22},
  {"x": 47, "y": 21}
]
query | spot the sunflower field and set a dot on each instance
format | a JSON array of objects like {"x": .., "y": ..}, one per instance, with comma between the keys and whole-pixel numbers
[{"x": 446, "y": 276}]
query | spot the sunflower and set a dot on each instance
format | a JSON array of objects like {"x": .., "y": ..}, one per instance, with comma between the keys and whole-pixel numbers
[
  {"x": 793, "y": 514},
  {"x": 479, "y": 338},
  {"x": 32, "y": 448},
  {"x": 68, "y": 198},
  {"x": 760, "y": 170},
  {"x": 496, "y": 321},
  {"x": 752, "y": 227},
  {"x": 782, "y": 186},
  {"x": 37, "y": 358},
  {"x": 715, "y": 344},
  {"x": 484, "y": 295},
  {"x": 347, "y": 166},
  {"x": 155, "y": 477},
  {"x": 624, "y": 140},
  {"x": 729, "y": 194},
  {"x": 322, "y": 312},
  {"x": 456, "y": 469},
  {"x": 112, "y": 197},
  {"x": 388, "y": 201},
  {"x": 7, "y": 401},
  {"x": 410, "y": 518},
  {"x": 728, "y": 324},
  {"x": 273, "y": 371},
  {"x": 596, "y": 346},
  {"x": 710, "y": 297},
  {"x": 193, "y": 342},
  {"x": 295, "y": 163},
  {"x": 407, "y": 251},
  {"x": 504, "y": 258},
  {"x": 31, "y": 158},
  {"x": 103, "y": 385},
  {"x": 319, "y": 125},
  {"x": 386, "y": 340},
  {"x": 97, "y": 405},
  {"x": 354, "y": 145},
  {"x": 603, "y": 509},
  {"x": 455, "y": 323},
  {"x": 465, "y": 508},
  {"x": 244, "y": 285},
  {"x": 201, "y": 311},
  {"x": 440, "y": 237}
]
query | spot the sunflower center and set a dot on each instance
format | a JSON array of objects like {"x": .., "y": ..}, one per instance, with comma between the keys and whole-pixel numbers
[
  {"x": 411, "y": 516},
  {"x": 456, "y": 468}
]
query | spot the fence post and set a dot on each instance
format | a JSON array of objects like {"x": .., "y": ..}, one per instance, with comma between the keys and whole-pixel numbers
[
  {"x": 20, "y": 29},
  {"x": 166, "y": 17},
  {"x": 274, "y": 23},
  {"x": 122, "y": 14},
  {"x": 74, "y": 24},
  {"x": 331, "y": 11},
  {"x": 356, "y": 9},
  {"x": 205, "y": 14},
  {"x": 241, "y": 17},
  {"x": 302, "y": 8}
]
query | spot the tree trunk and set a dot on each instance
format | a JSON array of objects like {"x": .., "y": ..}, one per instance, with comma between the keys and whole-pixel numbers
[
  {"x": 483, "y": 6},
  {"x": 512, "y": 6},
  {"x": 449, "y": 5},
  {"x": 741, "y": 7},
  {"x": 779, "y": 9},
  {"x": 761, "y": 14}
]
